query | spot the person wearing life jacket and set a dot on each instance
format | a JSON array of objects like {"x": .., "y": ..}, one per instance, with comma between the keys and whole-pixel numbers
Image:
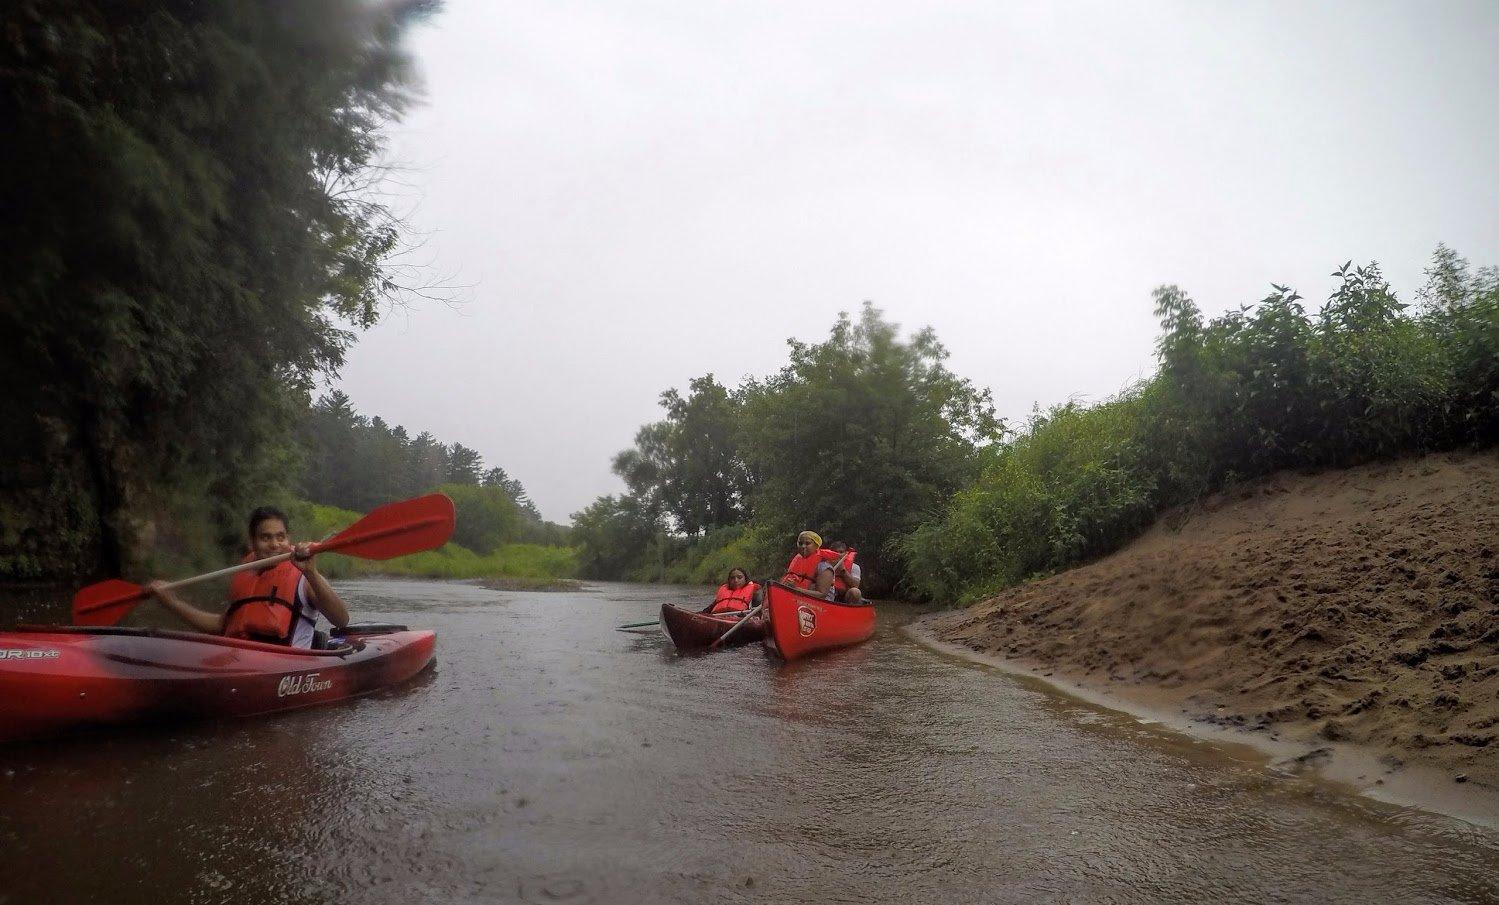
[
  {"x": 278, "y": 604},
  {"x": 811, "y": 569},
  {"x": 734, "y": 595},
  {"x": 846, "y": 575}
]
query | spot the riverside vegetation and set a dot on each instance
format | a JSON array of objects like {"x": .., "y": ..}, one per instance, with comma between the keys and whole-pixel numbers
[
  {"x": 910, "y": 464},
  {"x": 197, "y": 237},
  {"x": 194, "y": 235}
]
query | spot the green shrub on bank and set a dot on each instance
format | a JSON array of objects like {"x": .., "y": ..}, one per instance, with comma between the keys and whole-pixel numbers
[
  {"x": 1254, "y": 391},
  {"x": 708, "y": 559},
  {"x": 1072, "y": 485}
]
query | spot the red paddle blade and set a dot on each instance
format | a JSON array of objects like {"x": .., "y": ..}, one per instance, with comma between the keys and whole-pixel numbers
[
  {"x": 397, "y": 529},
  {"x": 106, "y": 603}
]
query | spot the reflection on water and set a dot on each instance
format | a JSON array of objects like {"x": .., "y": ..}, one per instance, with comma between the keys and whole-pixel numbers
[{"x": 549, "y": 758}]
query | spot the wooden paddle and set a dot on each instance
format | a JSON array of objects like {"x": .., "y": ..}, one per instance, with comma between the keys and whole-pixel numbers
[
  {"x": 638, "y": 624},
  {"x": 737, "y": 626},
  {"x": 395, "y": 529}
]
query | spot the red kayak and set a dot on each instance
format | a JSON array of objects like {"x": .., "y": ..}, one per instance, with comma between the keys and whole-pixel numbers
[
  {"x": 60, "y": 678},
  {"x": 802, "y": 623},
  {"x": 691, "y": 630}
]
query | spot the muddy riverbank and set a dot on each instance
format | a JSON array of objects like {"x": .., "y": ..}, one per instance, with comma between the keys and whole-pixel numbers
[{"x": 1353, "y": 616}]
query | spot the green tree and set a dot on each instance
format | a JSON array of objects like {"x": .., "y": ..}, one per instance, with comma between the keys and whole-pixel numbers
[
  {"x": 613, "y": 536},
  {"x": 486, "y": 517},
  {"x": 189, "y": 241},
  {"x": 496, "y": 477},
  {"x": 686, "y": 469},
  {"x": 861, "y": 436},
  {"x": 464, "y": 465}
]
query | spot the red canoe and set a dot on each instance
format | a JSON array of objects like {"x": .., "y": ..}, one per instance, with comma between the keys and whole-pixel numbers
[
  {"x": 802, "y": 623},
  {"x": 60, "y": 678},
  {"x": 691, "y": 630}
]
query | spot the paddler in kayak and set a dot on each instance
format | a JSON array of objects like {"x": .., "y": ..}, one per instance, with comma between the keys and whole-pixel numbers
[
  {"x": 734, "y": 595},
  {"x": 280, "y": 604},
  {"x": 811, "y": 569}
]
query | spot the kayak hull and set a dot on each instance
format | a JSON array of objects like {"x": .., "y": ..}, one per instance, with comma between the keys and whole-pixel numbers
[
  {"x": 58, "y": 679},
  {"x": 803, "y": 624},
  {"x": 690, "y": 630}
]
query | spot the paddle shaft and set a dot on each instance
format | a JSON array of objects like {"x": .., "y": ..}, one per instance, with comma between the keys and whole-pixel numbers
[
  {"x": 330, "y": 547},
  {"x": 737, "y": 626},
  {"x": 231, "y": 570}
]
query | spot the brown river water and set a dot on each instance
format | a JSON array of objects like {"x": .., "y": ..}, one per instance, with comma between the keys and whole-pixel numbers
[{"x": 549, "y": 758}]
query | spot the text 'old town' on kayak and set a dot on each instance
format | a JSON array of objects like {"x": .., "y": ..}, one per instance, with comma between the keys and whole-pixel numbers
[{"x": 61, "y": 678}]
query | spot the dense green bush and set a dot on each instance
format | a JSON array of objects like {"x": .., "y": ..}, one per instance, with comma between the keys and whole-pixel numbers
[
  {"x": 1254, "y": 391},
  {"x": 615, "y": 537},
  {"x": 1072, "y": 485}
]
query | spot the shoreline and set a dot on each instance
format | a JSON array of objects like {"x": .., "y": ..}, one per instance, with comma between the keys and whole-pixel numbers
[{"x": 1352, "y": 769}]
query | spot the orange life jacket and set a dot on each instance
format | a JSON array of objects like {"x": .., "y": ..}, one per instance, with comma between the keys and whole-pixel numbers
[
  {"x": 263, "y": 605},
  {"x": 801, "y": 572},
  {"x": 730, "y": 600},
  {"x": 842, "y": 565}
]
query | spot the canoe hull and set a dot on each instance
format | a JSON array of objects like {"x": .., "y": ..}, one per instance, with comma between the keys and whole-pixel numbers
[
  {"x": 803, "y": 624},
  {"x": 690, "y": 630},
  {"x": 57, "y": 679}
]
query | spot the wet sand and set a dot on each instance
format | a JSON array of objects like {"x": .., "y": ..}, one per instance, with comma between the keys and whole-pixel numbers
[{"x": 1342, "y": 622}]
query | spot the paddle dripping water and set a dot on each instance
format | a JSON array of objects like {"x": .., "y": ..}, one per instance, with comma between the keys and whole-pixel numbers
[{"x": 550, "y": 758}]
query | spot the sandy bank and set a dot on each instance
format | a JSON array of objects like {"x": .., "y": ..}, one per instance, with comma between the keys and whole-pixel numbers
[{"x": 1345, "y": 621}]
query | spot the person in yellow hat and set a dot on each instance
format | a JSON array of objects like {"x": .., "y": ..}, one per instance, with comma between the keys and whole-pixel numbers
[{"x": 812, "y": 567}]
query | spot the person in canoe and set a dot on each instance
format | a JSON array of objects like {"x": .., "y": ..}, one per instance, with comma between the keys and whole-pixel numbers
[
  {"x": 734, "y": 595},
  {"x": 811, "y": 569},
  {"x": 846, "y": 575},
  {"x": 279, "y": 604}
]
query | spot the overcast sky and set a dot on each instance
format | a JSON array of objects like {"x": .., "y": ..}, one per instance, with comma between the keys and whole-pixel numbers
[{"x": 636, "y": 194}]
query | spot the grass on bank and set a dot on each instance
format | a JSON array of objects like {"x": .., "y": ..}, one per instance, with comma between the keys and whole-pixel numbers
[{"x": 533, "y": 562}]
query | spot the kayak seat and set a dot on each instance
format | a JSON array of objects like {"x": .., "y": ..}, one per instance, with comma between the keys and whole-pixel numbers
[{"x": 322, "y": 641}]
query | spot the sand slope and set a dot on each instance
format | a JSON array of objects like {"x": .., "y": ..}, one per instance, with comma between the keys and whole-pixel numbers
[{"x": 1357, "y": 606}]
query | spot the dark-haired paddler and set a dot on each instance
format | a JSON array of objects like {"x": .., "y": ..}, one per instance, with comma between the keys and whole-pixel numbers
[{"x": 279, "y": 604}]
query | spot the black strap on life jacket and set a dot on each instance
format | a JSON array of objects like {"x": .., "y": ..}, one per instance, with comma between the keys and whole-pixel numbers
[{"x": 291, "y": 627}]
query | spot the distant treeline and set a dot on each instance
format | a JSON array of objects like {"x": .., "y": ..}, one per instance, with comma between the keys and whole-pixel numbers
[
  {"x": 870, "y": 439},
  {"x": 353, "y": 462},
  {"x": 190, "y": 240}
]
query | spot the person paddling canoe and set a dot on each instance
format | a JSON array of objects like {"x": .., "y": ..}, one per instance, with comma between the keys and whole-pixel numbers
[
  {"x": 279, "y": 604},
  {"x": 846, "y": 575},
  {"x": 812, "y": 567},
  {"x": 734, "y": 595}
]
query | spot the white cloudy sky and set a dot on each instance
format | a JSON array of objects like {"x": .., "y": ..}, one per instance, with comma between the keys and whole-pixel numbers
[{"x": 639, "y": 193}]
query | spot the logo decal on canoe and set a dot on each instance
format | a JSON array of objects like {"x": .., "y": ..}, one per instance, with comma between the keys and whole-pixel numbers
[
  {"x": 806, "y": 620},
  {"x": 39, "y": 653},
  {"x": 307, "y": 682}
]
